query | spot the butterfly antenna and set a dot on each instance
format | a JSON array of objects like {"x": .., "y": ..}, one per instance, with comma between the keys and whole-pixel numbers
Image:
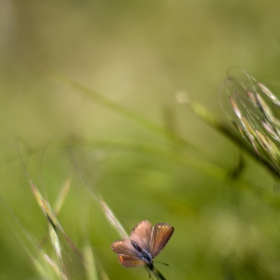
[{"x": 167, "y": 264}]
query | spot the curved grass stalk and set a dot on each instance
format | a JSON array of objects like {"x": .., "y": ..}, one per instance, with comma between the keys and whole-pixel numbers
[
  {"x": 129, "y": 114},
  {"x": 209, "y": 118}
]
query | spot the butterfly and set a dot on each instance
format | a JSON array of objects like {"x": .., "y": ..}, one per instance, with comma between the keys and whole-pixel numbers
[{"x": 143, "y": 245}]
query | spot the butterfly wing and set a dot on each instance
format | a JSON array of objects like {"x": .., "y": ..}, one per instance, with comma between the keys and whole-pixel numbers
[
  {"x": 130, "y": 261},
  {"x": 124, "y": 247},
  {"x": 141, "y": 234},
  {"x": 127, "y": 255},
  {"x": 160, "y": 235}
]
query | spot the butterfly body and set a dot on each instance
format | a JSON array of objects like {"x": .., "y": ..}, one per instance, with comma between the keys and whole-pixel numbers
[
  {"x": 145, "y": 243},
  {"x": 144, "y": 255}
]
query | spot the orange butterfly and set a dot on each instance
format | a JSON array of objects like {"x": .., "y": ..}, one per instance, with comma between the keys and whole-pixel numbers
[{"x": 144, "y": 244}]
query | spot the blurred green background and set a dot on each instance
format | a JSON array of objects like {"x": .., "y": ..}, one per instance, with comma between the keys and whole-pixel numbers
[{"x": 138, "y": 54}]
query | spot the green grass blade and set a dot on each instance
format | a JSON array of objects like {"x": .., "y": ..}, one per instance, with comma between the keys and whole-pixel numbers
[{"x": 91, "y": 95}]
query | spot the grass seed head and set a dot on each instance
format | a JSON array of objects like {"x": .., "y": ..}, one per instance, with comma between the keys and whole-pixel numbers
[{"x": 254, "y": 106}]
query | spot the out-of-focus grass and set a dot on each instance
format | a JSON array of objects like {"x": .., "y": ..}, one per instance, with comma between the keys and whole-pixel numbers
[{"x": 138, "y": 55}]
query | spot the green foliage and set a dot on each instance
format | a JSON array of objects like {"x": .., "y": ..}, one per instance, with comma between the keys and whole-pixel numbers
[{"x": 133, "y": 136}]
